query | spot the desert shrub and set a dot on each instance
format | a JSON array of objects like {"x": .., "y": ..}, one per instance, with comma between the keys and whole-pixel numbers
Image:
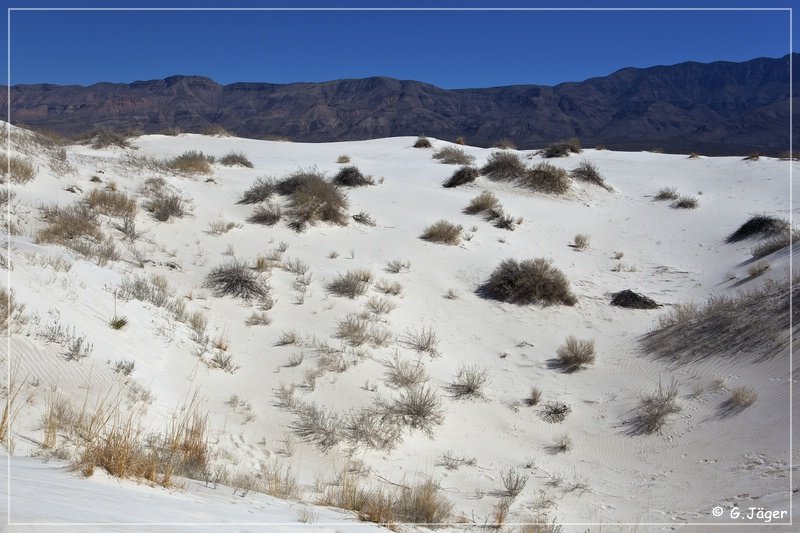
[
  {"x": 666, "y": 193},
  {"x": 545, "y": 177},
  {"x": 757, "y": 269},
  {"x": 191, "y": 162},
  {"x": 164, "y": 207},
  {"x": 759, "y": 226},
  {"x": 450, "y": 155},
  {"x": 112, "y": 203},
  {"x": 154, "y": 290},
  {"x": 354, "y": 329},
  {"x": 343, "y": 159},
  {"x": 16, "y": 169},
  {"x": 587, "y": 171},
  {"x": 422, "y": 504},
  {"x": 395, "y": 266},
  {"x": 259, "y": 191},
  {"x": 633, "y": 300},
  {"x": 418, "y": 407},
  {"x": 216, "y": 130},
  {"x": 485, "y": 201},
  {"x": 505, "y": 144},
  {"x": 422, "y": 142},
  {"x": 104, "y": 137},
  {"x": 219, "y": 227},
  {"x": 403, "y": 374},
  {"x": 504, "y": 166},
  {"x": 469, "y": 382},
  {"x": 235, "y": 279},
  {"x": 352, "y": 177},
  {"x": 235, "y": 159},
  {"x": 527, "y": 282},
  {"x": 555, "y": 412},
  {"x": 77, "y": 227},
  {"x": 386, "y": 287},
  {"x": 118, "y": 322},
  {"x": 288, "y": 338},
  {"x": 380, "y": 306},
  {"x": 563, "y": 149},
  {"x": 465, "y": 174},
  {"x": 351, "y": 284},
  {"x": 740, "y": 398},
  {"x": 581, "y": 241},
  {"x": 752, "y": 156},
  {"x": 369, "y": 428},
  {"x": 534, "y": 397},
  {"x": 318, "y": 425},
  {"x": 257, "y": 318},
  {"x": 685, "y": 202},
  {"x": 513, "y": 481},
  {"x": 773, "y": 244},
  {"x": 12, "y": 312},
  {"x": 424, "y": 340},
  {"x": 364, "y": 218},
  {"x": 312, "y": 199},
  {"x": 443, "y": 232},
  {"x": 561, "y": 443},
  {"x": 460, "y": 140},
  {"x": 654, "y": 409},
  {"x": 268, "y": 215},
  {"x": 574, "y": 354}
]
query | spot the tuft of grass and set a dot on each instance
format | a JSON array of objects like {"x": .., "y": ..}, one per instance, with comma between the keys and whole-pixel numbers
[
  {"x": 78, "y": 228},
  {"x": 118, "y": 322},
  {"x": 752, "y": 156},
  {"x": 505, "y": 144},
  {"x": 527, "y": 282},
  {"x": 740, "y": 398},
  {"x": 232, "y": 159},
  {"x": 581, "y": 241},
  {"x": 587, "y": 171},
  {"x": 418, "y": 407},
  {"x": 259, "y": 191},
  {"x": 666, "y": 193},
  {"x": 352, "y": 177},
  {"x": 267, "y": 215},
  {"x": 757, "y": 269},
  {"x": 654, "y": 410},
  {"x": 465, "y": 174},
  {"x": 563, "y": 149},
  {"x": 773, "y": 244},
  {"x": 164, "y": 207},
  {"x": 422, "y": 142},
  {"x": 236, "y": 279},
  {"x": 443, "y": 232},
  {"x": 404, "y": 374},
  {"x": 351, "y": 284},
  {"x": 685, "y": 202},
  {"x": 353, "y": 329},
  {"x": 111, "y": 203},
  {"x": 395, "y": 266},
  {"x": 386, "y": 287},
  {"x": 546, "y": 178},
  {"x": 450, "y": 155},
  {"x": 504, "y": 166},
  {"x": 562, "y": 443},
  {"x": 555, "y": 412},
  {"x": 469, "y": 382},
  {"x": 312, "y": 199},
  {"x": 16, "y": 169},
  {"x": 513, "y": 481},
  {"x": 759, "y": 226},
  {"x": 534, "y": 397},
  {"x": 343, "y": 159},
  {"x": 191, "y": 162},
  {"x": 424, "y": 340},
  {"x": 574, "y": 354},
  {"x": 104, "y": 137},
  {"x": 485, "y": 201}
]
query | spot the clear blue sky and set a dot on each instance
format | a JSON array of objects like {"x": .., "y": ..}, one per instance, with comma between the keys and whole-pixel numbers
[{"x": 451, "y": 49}]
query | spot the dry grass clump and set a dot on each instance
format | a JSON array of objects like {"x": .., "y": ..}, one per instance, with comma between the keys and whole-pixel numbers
[
  {"x": 469, "y": 382},
  {"x": 16, "y": 169},
  {"x": 422, "y": 142},
  {"x": 235, "y": 159},
  {"x": 404, "y": 374},
  {"x": 775, "y": 243},
  {"x": 236, "y": 279},
  {"x": 757, "y": 269},
  {"x": 104, "y": 137},
  {"x": 154, "y": 290},
  {"x": 111, "y": 203},
  {"x": 581, "y": 241},
  {"x": 564, "y": 149},
  {"x": 547, "y": 178},
  {"x": 12, "y": 313},
  {"x": 740, "y": 398},
  {"x": 216, "y": 130},
  {"x": 351, "y": 284},
  {"x": 759, "y": 226},
  {"x": 750, "y": 324},
  {"x": 574, "y": 354},
  {"x": 317, "y": 425},
  {"x": 312, "y": 199},
  {"x": 352, "y": 177},
  {"x": 561, "y": 443},
  {"x": 443, "y": 232},
  {"x": 165, "y": 206},
  {"x": 534, "y": 397},
  {"x": 485, "y": 201},
  {"x": 395, "y": 266},
  {"x": 423, "y": 504},
  {"x": 513, "y": 481},
  {"x": 450, "y": 155},
  {"x": 424, "y": 340},
  {"x": 259, "y": 191},
  {"x": 268, "y": 215},
  {"x": 389, "y": 287},
  {"x": 685, "y": 202},
  {"x": 752, "y": 156},
  {"x": 77, "y": 227},
  {"x": 555, "y": 412},
  {"x": 354, "y": 329},
  {"x": 666, "y": 193},
  {"x": 192, "y": 162},
  {"x": 418, "y": 407},
  {"x": 587, "y": 171},
  {"x": 343, "y": 159},
  {"x": 653, "y": 411},
  {"x": 505, "y": 144},
  {"x": 465, "y": 174},
  {"x": 527, "y": 282},
  {"x": 504, "y": 166}
]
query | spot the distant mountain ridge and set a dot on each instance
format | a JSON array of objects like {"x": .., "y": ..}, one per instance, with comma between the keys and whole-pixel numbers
[{"x": 715, "y": 108}]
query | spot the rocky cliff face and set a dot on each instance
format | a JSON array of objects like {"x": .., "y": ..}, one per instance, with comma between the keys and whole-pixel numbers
[{"x": 715, "y": 108}]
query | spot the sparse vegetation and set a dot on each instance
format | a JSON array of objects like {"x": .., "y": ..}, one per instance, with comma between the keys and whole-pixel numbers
[
  {"x": 77, "y": 227},
  {"x": 259, "y": 191},
  {"x": 104, "y": 137},
  {"x": 443, "y": 232},
  {"x": 166, "y": 206},
  {"x": 16, "y": 169},
  {"x": 581, "y": 241},
  {"x": 563, "y": 149},
  {"x": 118, "y": 322},
  {"x": 312, "y": 199},
  {"x": 268, "y": 215},
  {"x": 562, "y": 443},
  {"x": 666, "y": 193},
  {"x": 587, "y": 171},
  {"x": 111, "y": 203},
  {"x": 450, "y": 155},
  {"x": 351, "y": 284},
  {"x": 574, "y": 354},
  {"x": 514, "y": 482},
  {"x": 555, "y": 412},
  {"x": 389, "y": 287},
  {"x": 191, "y": 162},
  {"x": 236, "y": 279},
  {"x": 352, "y": 177},
  {"x": 740, "y": 398},
  {"x": 343, "y": 159},
  {"x": 773, "y": 244},
  {"x": 528, "y": 282},
  {"x": 757, "y": 269},
  {"x": 404, "y": 374},
  {"x": 505, "y": 144},
  {"x": 685, "y": 202},
  {"x": 465, "y": 174},
  {"x": 504, "y": 166},
  {"x": 485, "y": 201},
  {"x": 759, "y": 226},
  {"x": 423, "y": 340},
  {"x": 422, "y": 142},
  {"x": 418, "y": 407},
  {"x": 534, "y": 397},
  {"x": 395, "y": 266},
  {"x": 232, "y": 159},
  {"x": 546, "y": 178},
  {"x": 654, "y": 409},
  {"x": 752, "y": 156},
  {"x": 469, "y": 382}
]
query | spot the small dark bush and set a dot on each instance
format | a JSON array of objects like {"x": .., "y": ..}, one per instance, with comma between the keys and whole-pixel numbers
[
  {"x": 667, "y": 193},
  {"x": 418, "y": 407},
  {"x": 571, "y": 146},
  {"x": 752, "y": 156},
  {"x": 574, "y": 354},
  {"x": 443, "y": 232},
  {"x": 468, "y": 382},
  {"x": 259, "y": 191},
  {"x": 527, "y": 282},
  {"x": 587, "y": 171},
  {"x": 352, "y": 177},
  {"x": 555, "y": 412},
  {"x": 773, "y": 244},
  {"x": 192, "y": 162},
  {"x": 235, "y": 279},
  {"x": 450, "y": 155},
  {"x": 235, "y": 159},
  {"x": 105, "y": 137},
  {"x": 651, "y": 415},
  {"x": 685, "y": 202},
  {"x": 165, "y": 207},
  {"x": 268, "y": 215},
  {"x": 759, "y": 226},
  {"x": 485, "y": 201},
  {"x": 422, "y": 142},
  {"x": 504, "y": 166},
  {"x": 465, "y": 174},
  {"x": 545, "y": 177},
  {"x": 312, "y": 199},
  {"x": 351, "y": 284},
  {"x": 633, "y": 300},
  {"x": 505, "y": 144}
]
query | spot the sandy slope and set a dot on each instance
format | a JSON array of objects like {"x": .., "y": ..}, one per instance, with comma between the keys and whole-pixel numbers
[{"x": 673, "y": 256}]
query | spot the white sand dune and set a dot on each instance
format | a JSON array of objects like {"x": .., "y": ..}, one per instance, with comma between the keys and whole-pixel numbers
[{"x": 609, "y": 477}]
